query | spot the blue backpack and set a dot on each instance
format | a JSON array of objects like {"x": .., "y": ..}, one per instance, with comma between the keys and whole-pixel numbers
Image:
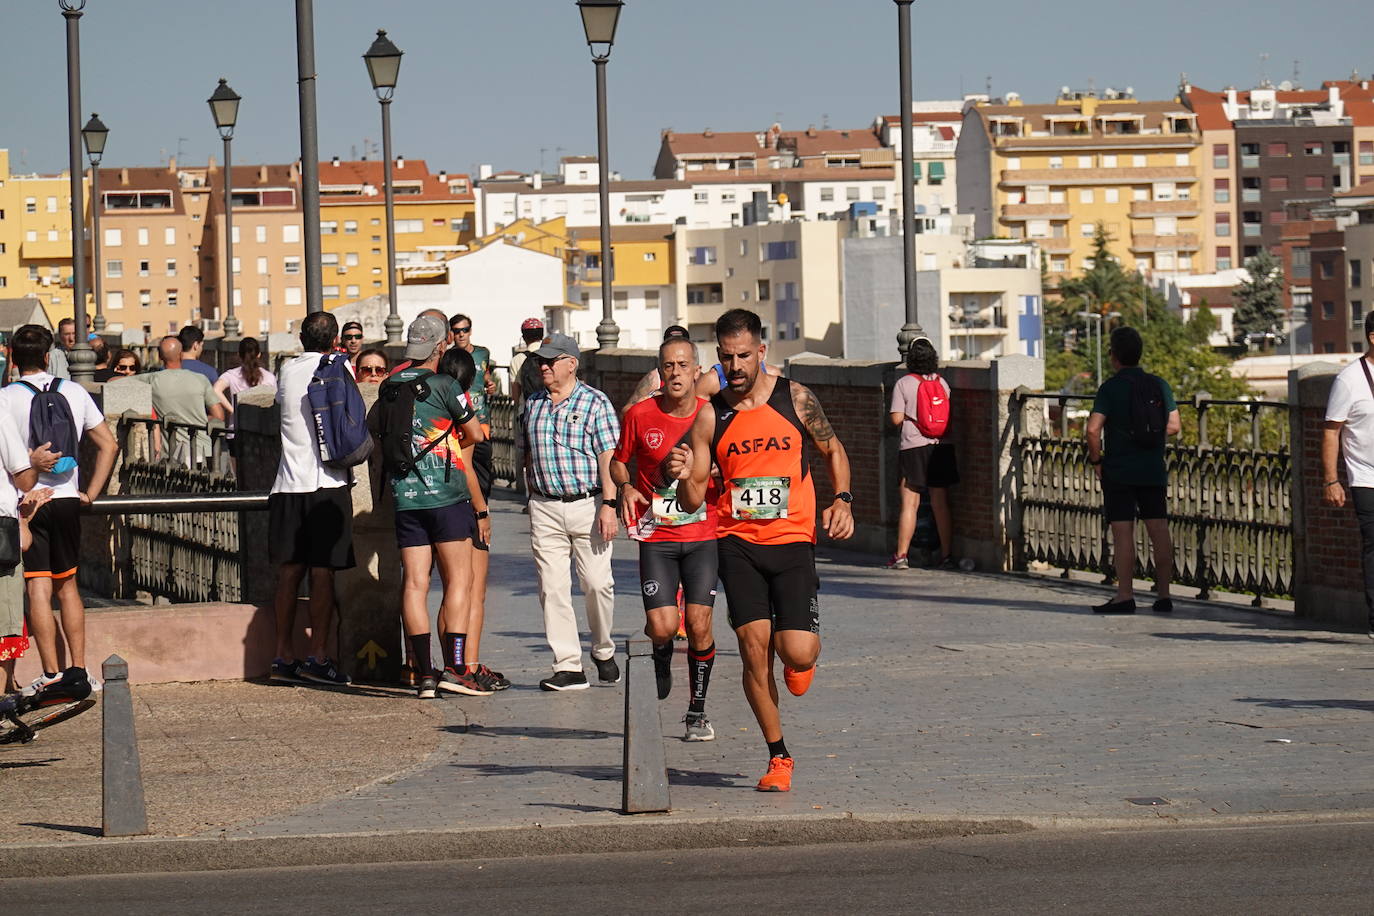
[
  {"x": 51, "y": 420},
  {"x": 341, "y": 432}
]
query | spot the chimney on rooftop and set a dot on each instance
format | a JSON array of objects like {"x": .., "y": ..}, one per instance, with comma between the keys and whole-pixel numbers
[
  {"x": 262, "y": 174},
  {"x": 811, "y": 130},
  {"x": 123, "y": 176},
  {"x": 172, "y": 165},
  {"x": 536, "y": 180},
  {"x": 443, "y": 175},
  {"x": 335, "y": 162},
  {"x": 708, "y": 132},
  {"x": 400, "y": 162}
]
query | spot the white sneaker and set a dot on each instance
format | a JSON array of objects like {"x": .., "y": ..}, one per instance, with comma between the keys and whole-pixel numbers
[{"x": 43, "y": 680}]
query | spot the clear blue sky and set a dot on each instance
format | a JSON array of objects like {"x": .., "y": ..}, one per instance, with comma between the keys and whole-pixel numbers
[{"x": 496, "y": 81}]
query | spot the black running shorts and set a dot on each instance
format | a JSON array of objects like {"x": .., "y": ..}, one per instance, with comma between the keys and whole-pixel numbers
[
  {"x": 663, "y": 565},
  {"x": 311, "y": 529},
  {"x": 426, "y": 527},
  {"x": 56, "y": 549},
  {"x": 482, "y": 467},
  {"x": 1126, "y": 503},
  {"x": 777, "y": 582}
]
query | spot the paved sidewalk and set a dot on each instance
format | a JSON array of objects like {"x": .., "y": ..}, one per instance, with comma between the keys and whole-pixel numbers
[{"x": 939, "y": 694}]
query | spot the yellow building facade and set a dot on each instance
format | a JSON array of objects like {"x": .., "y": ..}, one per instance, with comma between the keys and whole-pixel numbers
[
  {"x": 435, "y": 219},
  {"x": 36, "y": 238},
  {"x": 1052, "y": 173}
]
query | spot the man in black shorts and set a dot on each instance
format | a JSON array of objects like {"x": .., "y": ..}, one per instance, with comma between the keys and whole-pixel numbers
[
  {"x": 676, "y": 548},
  {"x": 1133, "y": 474},
  {"x": 310, "y": 515}
]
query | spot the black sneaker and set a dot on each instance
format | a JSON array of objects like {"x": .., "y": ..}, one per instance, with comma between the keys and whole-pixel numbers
[
  {"x": 323, "y": 671},
  {"x": 1116, "y": 607},
  {"x": 607, "y": 671},
  {"x": 284, "y": 672},
  {"x": 663, "y": 669},
  {"x": 428, "y": 688},
  {"x": 565, "y": 680},
  {"x": 1163, "y": 606},
  {"x": 465, "y": 682},
  {"x": 493, "y": 680}
]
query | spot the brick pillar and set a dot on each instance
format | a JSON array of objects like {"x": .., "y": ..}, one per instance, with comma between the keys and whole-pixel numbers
[{"x": 1328, "y": 585}]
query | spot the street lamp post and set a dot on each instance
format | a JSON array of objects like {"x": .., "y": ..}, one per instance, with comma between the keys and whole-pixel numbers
[
  {"x": 383, "y": 61},
  {"x": 81, "y": 359},
  {"x": 912, "y": 329},
  {"x": 224, "y": 105},
  {"x": 310, "y": 153},
  {"x": 1101, "y": 319},
  {"x": 599, "y": 20},
  {"x": 94, "y": 134}
]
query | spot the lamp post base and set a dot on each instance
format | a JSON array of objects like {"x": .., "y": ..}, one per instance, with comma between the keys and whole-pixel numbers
[
  {"x": 607, "y": 335},
  {"x": 98, "y": 325},
  {"x": 232, "y": 327},
  {"x": 81, "y": 362},
  {"x": 393, "y": 326},
  {"x": 909, "y": 332}
]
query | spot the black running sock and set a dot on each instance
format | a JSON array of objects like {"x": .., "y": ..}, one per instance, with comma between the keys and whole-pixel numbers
[
  {"x": 664, "y": 649},
  {"x": 778, "y": 749},
  {"x": 420, "y": 658},
  {"x": 699, "y": 666},
  {"x": 455, "y": 657}
]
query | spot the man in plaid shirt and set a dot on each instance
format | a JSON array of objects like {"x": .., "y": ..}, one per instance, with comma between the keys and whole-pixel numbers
[{"x": 568, "y": 433}]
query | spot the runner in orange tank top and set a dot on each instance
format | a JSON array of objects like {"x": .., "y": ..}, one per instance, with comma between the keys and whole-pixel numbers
[{"x": 758, "y": 432}]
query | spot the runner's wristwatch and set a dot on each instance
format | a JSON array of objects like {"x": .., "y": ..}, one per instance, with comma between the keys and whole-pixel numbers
[
  {"x": 483, "y": 514},
  {"x": 845, "y": 496}
]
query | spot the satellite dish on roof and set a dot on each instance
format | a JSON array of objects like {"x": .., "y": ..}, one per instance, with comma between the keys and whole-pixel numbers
[{"x": 1286, "y": 86}]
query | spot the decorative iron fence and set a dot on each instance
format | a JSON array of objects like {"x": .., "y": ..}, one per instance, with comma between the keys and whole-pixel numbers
[
  {"x": 1230, "y": 513},
  {"x": 180, "y": 556}
]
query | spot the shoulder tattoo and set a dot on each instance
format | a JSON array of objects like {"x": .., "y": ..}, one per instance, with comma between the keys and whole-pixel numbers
[{"x": 813, "y": 416}]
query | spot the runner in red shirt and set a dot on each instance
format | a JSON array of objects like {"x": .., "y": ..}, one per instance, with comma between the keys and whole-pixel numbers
[{"x": 675, "y": 547}]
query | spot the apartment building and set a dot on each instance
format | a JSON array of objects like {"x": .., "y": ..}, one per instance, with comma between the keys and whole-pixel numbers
[
  {"x": 152, "y": 264},
  {"x": 435, "y": 219},
  {"x": 787, "y": 272},
  {"x": 36, "y": 238},
  {"x": 643, "y": 294},
  {"x": 935, "y": 138},
  {"x": 269, "y": 251},
  {"x": 1051, "y": 173}
]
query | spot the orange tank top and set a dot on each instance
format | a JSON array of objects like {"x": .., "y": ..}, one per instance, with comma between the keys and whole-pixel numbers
[{"x": 767, "y": 495}]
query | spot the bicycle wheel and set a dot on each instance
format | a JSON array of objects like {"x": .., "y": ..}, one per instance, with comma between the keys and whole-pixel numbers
[{"x": 20, "y": 728}]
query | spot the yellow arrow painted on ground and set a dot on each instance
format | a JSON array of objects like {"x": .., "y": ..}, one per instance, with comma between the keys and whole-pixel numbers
[{"x": 371, "y": 651}]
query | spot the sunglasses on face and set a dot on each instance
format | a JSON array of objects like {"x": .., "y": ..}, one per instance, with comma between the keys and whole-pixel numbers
[
  {"x": 549, "y": 361},
  {"x": 372, "y": 370},
  {"x": 126, "y": 368},
  {"x": 466, "y": 330},
  {"x": 353, "y": 337}
]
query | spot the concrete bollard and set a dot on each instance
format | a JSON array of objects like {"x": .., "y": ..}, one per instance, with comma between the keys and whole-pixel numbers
[
  {"x": 645, "y": 778},
  {"x": 123, "y": 812}
]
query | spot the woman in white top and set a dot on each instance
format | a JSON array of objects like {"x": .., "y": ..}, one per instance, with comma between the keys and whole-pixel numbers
[{"x": 250, "y": 373}]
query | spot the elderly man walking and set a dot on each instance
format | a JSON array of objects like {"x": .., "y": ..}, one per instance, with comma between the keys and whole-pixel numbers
[
  {"x": 1350, "y": 432},
  {"x": 568, "y": 433}
]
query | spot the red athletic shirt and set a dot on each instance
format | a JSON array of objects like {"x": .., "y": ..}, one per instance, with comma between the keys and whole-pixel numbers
[{"x": 648, "y": 435}]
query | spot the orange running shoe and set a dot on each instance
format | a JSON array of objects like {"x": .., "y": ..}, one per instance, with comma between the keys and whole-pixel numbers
[
  {"x": 779, "y": 775},
  {"x": 798, "y": 682}
]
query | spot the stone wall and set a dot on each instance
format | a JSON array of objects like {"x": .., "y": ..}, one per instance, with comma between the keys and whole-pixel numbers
[{"x": 1328, "y": 584}]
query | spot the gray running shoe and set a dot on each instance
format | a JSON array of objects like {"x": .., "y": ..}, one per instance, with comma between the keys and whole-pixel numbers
[{"x": 698, "y": 727}]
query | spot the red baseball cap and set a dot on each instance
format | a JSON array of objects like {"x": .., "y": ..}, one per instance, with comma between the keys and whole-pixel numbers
[{"x": 531, "y": 324}]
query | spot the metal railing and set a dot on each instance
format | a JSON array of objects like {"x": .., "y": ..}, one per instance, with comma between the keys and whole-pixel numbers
[
  {"x": 183, "y": 511},
  {"x": 1229, "y": 494}
]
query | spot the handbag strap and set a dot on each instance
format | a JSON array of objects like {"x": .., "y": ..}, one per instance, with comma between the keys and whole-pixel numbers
[{"x": 1364, "y": 364}]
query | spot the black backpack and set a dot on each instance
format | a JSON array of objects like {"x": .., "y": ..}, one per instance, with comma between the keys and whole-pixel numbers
[
  {"x": 396, "y": 422},
  {"x": 1149, "y": 417},
  {"x": 531, "y": 379},
  {"x": 51, "y": 420}
]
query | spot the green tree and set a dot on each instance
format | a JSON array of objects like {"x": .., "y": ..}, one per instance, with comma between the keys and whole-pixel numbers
[{"x": 1259, "y": 300}]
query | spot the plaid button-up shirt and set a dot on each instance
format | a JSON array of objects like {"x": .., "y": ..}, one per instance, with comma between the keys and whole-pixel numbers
[{"x": 564, "y": 439}]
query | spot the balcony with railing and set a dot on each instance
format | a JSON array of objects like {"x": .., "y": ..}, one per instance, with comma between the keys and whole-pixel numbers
[
  {"x": 1072, "y": 177},
  {"x": 1058, "y": 245},
  {"x": 1019, "y": 213},
  {"x": 1186, "y": 241},
  {"x": 1144, "y": 209}
]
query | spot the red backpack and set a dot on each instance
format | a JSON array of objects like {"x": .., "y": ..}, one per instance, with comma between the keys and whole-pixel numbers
[{"x": 932, "y": 407}]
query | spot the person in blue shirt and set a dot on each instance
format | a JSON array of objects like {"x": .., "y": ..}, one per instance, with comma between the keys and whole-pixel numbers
[{"x": 192, "y": 345}]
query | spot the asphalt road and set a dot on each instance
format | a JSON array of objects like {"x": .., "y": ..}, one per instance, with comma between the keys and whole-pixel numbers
[{"x": 1314, "y": 868}]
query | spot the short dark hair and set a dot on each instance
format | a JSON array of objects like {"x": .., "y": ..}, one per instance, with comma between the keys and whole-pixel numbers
[
  {"x": 375, "y": 351},
  {"x": 921, "y": 357},
  {"x": 739, "y": 321},
  {"x": 677, "y": 340},
  {"x": 318, "y": 330},
  {"x": 1127, "y": 346},
  {"x": 66, "y": 321},
  {"x": 190, "y": 336},
  {"x": 457, "y": 318},
  {"x": 458, "y": 363},
  {"x": 1369, "y": 324},
  {"x": 29, "y": 347}
]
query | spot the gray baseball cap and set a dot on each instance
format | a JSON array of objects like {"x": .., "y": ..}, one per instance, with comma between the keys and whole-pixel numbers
[
  {"x": 559, "y": 345},
  {"x": 423, "y": 335}
]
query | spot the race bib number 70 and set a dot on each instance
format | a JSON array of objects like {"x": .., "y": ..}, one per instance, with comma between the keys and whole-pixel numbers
[
  {"x": 759, "y": 498},
  {"x": 668, "y": 511}
]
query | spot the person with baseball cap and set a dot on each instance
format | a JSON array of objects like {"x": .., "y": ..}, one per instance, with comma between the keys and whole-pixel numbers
[
  {"x": 351, "y": 336},
  {"x": 568, "y": 432}
]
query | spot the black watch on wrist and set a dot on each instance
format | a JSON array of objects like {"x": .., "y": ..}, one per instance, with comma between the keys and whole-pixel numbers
[
  {"x": 613, "y": 503},
  {"x": 485, "y": 513},
  {"x": 845, "y": 496}
]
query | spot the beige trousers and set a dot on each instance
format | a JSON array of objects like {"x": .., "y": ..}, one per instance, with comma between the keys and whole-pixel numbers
[{"x": 560, "y": 532}]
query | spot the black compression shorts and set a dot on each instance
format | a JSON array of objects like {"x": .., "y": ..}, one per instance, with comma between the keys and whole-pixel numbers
[
  {"x": 663, "y": 565},
  {"x": 776, "y": 582}
]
